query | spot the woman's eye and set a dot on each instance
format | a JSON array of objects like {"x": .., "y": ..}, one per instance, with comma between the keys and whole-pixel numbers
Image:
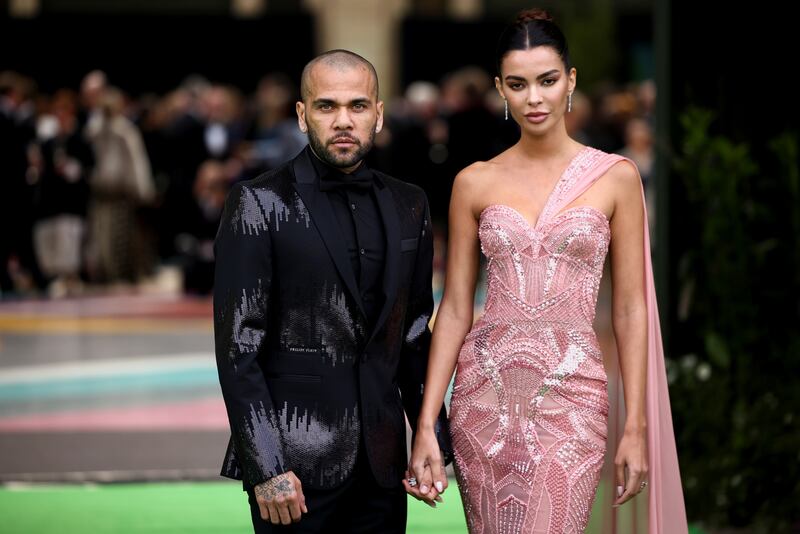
[
  {"x": 549, "y": 81},
  {"x": 515, "y": 86}
]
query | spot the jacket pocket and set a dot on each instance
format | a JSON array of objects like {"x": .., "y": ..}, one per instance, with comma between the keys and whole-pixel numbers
[{"x": 407, "y": 245}]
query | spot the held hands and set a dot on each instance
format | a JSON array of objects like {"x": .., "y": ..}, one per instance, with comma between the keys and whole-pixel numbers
[
  {"x": 281, "y": 500},
  {"x": 631, "y": 466},
  {"x": 425, "y": 478}
]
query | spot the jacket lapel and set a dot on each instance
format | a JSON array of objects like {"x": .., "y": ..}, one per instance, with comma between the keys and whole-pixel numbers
[{"x": 321, "y": 211}]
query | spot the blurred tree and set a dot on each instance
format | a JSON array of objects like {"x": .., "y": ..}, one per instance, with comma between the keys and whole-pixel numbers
[{"x": 733, "y": 389}]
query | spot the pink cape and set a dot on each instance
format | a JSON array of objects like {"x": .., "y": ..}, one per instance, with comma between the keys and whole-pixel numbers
[{"x": 665, "y": 512}]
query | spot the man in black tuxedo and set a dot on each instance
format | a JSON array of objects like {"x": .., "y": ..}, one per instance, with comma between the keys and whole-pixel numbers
[{"x": 322, "y": 300}]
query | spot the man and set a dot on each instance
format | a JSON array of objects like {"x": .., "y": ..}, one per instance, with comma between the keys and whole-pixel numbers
[{"x": 321, "y": 304}]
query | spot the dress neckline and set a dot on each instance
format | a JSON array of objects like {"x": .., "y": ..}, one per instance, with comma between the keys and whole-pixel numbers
[{"x": 566, "y": 172}]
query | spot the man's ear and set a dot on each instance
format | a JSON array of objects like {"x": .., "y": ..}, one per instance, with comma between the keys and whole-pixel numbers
[
  {"x": 300, "y": 108},
  {"x": 379, "y": 123}
]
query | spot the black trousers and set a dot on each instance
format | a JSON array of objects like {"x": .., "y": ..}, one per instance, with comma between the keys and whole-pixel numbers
[{"x": 358, "y": 506}]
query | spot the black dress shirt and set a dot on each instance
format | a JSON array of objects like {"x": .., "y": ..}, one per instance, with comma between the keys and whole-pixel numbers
[{"x": 361, "y": 225}]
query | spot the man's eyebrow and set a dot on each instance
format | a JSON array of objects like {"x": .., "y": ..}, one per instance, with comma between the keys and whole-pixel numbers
[{"x": 359, "y": 100}]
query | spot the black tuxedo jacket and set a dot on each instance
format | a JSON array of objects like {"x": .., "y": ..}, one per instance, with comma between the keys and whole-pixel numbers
[{"x": 302, "y": 373}]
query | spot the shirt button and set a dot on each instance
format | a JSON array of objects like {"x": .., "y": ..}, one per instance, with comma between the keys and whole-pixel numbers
[
  {"x": 353, "y": 206},
  {"x": 362, "y": 251}
]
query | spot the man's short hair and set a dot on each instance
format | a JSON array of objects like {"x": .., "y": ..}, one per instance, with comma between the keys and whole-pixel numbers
[{"x": 338, "y": 59}]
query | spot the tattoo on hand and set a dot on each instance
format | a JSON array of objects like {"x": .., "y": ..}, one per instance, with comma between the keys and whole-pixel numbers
[{"x": 279, "y": 485}]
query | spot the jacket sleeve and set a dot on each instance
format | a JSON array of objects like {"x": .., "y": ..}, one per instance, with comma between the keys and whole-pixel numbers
[
  {"x": 242, "y": 279},
  {"x": 417, "y": 337}
]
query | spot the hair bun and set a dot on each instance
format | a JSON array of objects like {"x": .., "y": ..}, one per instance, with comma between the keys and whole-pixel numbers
[{"x": 529, "y": 15}]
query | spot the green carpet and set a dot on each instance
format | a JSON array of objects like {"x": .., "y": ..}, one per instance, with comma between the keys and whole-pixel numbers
[
  {"x": 218, "y": 508},
  {"x": 214, "y": 508}
]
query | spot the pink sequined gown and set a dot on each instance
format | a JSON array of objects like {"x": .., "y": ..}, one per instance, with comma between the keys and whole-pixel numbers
[{"x": 529, "y": 406}]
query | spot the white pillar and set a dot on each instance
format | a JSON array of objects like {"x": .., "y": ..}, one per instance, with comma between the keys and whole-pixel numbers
[
  {"x": 246, "y": 9},
  {"x": 24, "y": 9},
  {"x": 465, "y": 9},
  {"x": 369, "y": 28}
]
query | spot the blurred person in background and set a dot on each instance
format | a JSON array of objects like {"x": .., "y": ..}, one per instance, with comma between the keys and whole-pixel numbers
[
  {"x": 646, "y": 99},
  {"x": 639, "y": 147},
  {"x": 205, "y": 122},
  {"x": 613, "y": 108},
  {"x": 223, "y": 129},
  {"x": 471, "y": 126},
  {"x": 19, "y": 270},
  {"x": 120, "y": 183},
  {"x": 93, "y": 86},
  {"x": 507, "y": 132},
  {"x": 272, "y": 138},
  {"x": 61, "y": 161},
  {"x": 579, "y": 118},
  {"x": 195, "y": 242},
  {"x": 529, "y": 408},
  {"x": 322, "y": 297},
  {"x": 417, "y": 136}
]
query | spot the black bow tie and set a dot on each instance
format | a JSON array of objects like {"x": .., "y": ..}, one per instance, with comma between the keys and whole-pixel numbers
[{"x": 360, "y": 180}]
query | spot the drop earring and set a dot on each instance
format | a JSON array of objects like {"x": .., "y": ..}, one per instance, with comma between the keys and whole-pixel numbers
[
  {"x": 569, "y": 102},
  {"x": 506, "y": 105}
]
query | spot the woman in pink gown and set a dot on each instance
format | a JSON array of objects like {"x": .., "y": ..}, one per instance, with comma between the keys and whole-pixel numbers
[{"x": 530, "y": 408}]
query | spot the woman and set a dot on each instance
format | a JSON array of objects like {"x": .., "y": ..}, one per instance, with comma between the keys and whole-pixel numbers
[
  {"x": 121, "y": 183},
  {"x": 529, "y": 408}
]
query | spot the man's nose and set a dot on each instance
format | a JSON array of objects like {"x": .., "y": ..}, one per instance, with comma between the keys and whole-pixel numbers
[{"x": 343, "y": 121}]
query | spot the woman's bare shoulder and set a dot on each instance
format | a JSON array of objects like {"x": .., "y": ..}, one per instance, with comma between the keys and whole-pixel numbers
[
  {"x": 478, "y": 175},
  {"x": 624, "y": 180}
]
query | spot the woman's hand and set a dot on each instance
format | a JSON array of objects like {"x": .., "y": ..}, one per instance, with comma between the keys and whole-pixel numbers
[
  {"x": 426, "y": 467},
  {"x": 631, "y": 466}
]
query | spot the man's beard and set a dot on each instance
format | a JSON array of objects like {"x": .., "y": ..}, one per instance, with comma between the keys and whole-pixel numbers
[{"x": 327, "y": 153}]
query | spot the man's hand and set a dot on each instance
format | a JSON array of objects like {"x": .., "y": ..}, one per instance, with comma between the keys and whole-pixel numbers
[{"x": 281, "y": 500}]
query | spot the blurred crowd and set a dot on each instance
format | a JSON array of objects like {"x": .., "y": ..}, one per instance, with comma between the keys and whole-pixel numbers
[{"x": 101, "y": 189}]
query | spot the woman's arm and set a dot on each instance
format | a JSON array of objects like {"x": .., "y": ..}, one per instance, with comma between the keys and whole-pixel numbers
[
  {"x": 453, "y": 321},
  {"x": 629, "y": 312}
]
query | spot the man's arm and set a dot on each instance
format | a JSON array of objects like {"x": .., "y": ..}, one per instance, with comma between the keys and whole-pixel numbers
[
  {"x": 242, "y": 280},
  {"x": 417, "y": 337}
]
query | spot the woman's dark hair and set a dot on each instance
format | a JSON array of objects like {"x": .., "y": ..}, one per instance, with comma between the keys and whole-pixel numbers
[{"x": 532, "y": 28}]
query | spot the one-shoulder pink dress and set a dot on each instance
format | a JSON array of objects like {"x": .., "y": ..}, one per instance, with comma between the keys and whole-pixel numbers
[{"x": 529, "y": 408}]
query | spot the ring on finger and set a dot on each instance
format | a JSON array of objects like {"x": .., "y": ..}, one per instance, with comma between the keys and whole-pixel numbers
[
  {"x": 642, "y": 485},
  {"x": 412, "y": 481}
]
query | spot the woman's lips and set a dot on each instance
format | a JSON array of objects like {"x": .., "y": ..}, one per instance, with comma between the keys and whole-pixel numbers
[{"x": 536, "y": 117}]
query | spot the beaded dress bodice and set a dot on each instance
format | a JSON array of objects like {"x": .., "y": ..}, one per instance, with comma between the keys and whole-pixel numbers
[{"x": 529, "y": 406}]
